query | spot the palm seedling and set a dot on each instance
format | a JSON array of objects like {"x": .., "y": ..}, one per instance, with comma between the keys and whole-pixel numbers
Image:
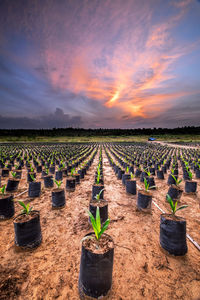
[
  {"x": 14, "y": 174},
  {"x": 3, "y": 189},
  {"x": 26, "y": 210},
  {"x": 96, "y": 224},
  {"x": 58, "y": 183},
  {"x": 32, "y": 177},
  {"x": 46, "y": 169},
  {"x": 147, "y": 185},
  {"x": 173, "y": 205},
  {"x": 147, "y": 172},
  {"x": 127, "y": 169},
  {"x": 97, "y": 197},
  {"x": 177, "y": 182},
  {"x": 32, "y": 170},
  {"x": 190, "y": 174},
  {"x": 72, "y": 171}
]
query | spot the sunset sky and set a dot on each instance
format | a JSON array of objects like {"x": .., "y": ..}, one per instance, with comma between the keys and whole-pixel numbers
[{"x": 99, "y": 63}]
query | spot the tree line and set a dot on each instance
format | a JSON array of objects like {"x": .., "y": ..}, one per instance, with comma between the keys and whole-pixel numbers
[{"x": 191, "y": 130}]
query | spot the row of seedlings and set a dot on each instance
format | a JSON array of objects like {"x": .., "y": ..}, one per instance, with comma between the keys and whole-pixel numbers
[
  {"x": 172, "y": 228},
  {"x": 27, "y": 224},
  {"x": 96, "y": 264}
]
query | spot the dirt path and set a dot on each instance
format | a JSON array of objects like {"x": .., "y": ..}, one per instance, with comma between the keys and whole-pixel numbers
[
  {"x": 174, "y": 145},
  {"x": 141, "y": 269}
]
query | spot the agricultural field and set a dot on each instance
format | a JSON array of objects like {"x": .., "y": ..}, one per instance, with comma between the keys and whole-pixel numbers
[{"x": 132, "y": 184}]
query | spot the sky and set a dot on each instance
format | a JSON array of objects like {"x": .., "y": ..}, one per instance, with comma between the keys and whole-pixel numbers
[{"x": 99, "y": 63}]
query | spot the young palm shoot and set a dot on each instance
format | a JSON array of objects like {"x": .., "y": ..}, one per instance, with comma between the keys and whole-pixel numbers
[
  {"x": 97, "y": 197},
  {"x": 146, "y": 185},
  {"x": 58, "y": 183},
  {"x": 32, "y": 177},
  {"x": 26, "y": 210},
  {"x": 190, "y": 174},
  {"x": 32, "y": 170},
  {"x": 46, "y": 169},
  {"x": 177, "y": 182},
  {"x": 147, "y": 172},
  {"x": 174, "y": 205},
  {"x": 14, "y": 174},
  {"x": 72, "y": 171},
  {"x": 96, "y": 224},
  {"x": 3, "y": 189}
]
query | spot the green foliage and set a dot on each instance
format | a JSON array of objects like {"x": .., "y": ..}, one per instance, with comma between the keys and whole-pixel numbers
[
  {"x": 72, "y": 171},
  {"x": 98, "y": 174},
  {"x": 177, "y": 182},
  {"x": 189, "y": 174},
  {"x": 146, "y": 184},
  {"x": 96, "y": 224},
  {"x": 46, "y": 169},
  {"x": 97, "y": 197},
  {"x": 127, "y": 169},
  {"x": 3, "y": 189},
  {"x": 58, "y": 183},
  {"x": 174, "y": 205},
  {"x": 132, "y": 175},
  {"x": 26, "y": 210},
  {"x": 14, "y": 174},
  {"x": 32, "y": 177},
  {"x": 147, "y": 172}
]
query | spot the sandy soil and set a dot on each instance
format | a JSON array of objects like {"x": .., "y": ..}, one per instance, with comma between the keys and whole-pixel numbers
[
  {"x": 142, "y": 270},
  {"x": 174, "y": 145}
]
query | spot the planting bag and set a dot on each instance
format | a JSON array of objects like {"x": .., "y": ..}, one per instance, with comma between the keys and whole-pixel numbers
[
  {"x": 82, "y": 173},
  {"x": 7, "y": 208},
  {"x": 34, "y": 189},
  {"x": 160, "y": 174},
  {"x": 59, "y": 175},
  {"x": 5, "y": 172},
  {"x": 174, "y": 193},
  {"x": 120, "y": 173},
  {"x": 125, "y": 177},
  {"x": 58, "y": 198},
  {"x": 190, "y": 186},
  {"x": 144, "y": 201},
  {"x": 12, "y": 185},
  {"x": 28, "y": 234},
  {"x": 173, "y": 235},
  {"x": 138, "y": 173},
  {"x": 95, "y": 277},
  {"x": 131, "y": 187},
  {"x": 48, "y": 181},
  {"x": 171, "y": 180},
  {"x": 70, "y": 184},
  {"x": 197, "y": 173}
]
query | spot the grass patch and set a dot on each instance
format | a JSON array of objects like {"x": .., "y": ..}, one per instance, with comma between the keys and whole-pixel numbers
[{"x": 85, "y": 139}]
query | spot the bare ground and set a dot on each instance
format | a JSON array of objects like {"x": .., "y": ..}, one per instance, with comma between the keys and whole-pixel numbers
[{"x": 142, "y": 270}]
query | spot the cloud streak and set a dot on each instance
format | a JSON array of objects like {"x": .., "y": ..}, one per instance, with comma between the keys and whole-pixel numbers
[{"x": 121, "y": 57}]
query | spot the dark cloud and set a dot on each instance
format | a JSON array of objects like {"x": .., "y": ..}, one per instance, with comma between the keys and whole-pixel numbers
[{"x": 57, "y": 119}]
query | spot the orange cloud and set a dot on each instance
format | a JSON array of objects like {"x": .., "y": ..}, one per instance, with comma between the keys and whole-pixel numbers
[{"x": 121, "y": 66}]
